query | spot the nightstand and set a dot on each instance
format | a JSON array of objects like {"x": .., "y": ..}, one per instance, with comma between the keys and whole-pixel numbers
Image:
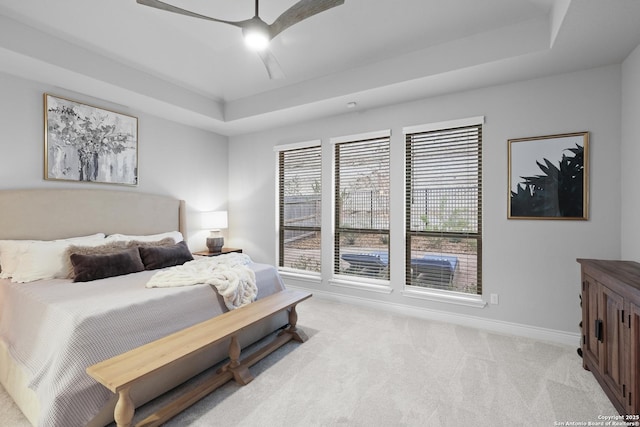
[{"x": 224, "y": 251}]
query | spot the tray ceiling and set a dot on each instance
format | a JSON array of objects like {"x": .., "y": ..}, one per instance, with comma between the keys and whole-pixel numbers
[{"x": 372, "y": 52}]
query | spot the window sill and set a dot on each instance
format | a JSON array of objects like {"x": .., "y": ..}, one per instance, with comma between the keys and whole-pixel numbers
[
  {"x": 372, "y": 285},
  {"x": 444, "y": 296},
  {"x": 300, "y": 275}
]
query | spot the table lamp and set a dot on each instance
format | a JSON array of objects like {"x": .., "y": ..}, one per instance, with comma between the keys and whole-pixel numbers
[{"x": 214, "y": 221}]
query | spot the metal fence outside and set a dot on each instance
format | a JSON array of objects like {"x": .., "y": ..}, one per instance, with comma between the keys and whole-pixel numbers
[
  {"x": 445, "y": 209},
  {"x": 365, "y": 209},
  {"x": 432, "y": 208}
]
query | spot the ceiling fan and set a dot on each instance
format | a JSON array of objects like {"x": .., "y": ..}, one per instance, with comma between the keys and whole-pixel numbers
[{"x": 256, "y": 32}]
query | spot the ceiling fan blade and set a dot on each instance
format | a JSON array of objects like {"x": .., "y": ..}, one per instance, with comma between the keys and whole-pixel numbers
[
  {"x": 169, "y": 8},
  {"x": 300, "y": 11},
  {"x": 272, "y": 65}
]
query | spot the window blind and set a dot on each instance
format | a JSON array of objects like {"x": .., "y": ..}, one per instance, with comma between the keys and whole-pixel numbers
[
  {"x": 361, "y": 241},
  {"x": 299, "y": 213},
  {"x": 444, "y": 209}
]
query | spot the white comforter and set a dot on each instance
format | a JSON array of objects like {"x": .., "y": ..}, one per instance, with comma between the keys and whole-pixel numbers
[{"x": 229, "y": 273}]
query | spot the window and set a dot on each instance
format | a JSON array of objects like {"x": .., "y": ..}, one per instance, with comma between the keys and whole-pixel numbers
[
  {"x": 299, "y": 207},
  {"x": 361, "y": 240},
  {"x": 444, "y": 206}
]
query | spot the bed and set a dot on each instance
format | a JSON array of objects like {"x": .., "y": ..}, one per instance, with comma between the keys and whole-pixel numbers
[{"x": 52, "y": 329}]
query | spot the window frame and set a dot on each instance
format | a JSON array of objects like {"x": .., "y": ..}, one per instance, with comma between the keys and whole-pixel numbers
[
  {"x": 434, "y": 293},
  {"x": 281, "y": 227},
  {"x": 352, "y": 280}
]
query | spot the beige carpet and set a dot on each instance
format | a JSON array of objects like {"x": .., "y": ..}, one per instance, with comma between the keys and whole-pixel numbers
[{"x": 362, "y": 367}]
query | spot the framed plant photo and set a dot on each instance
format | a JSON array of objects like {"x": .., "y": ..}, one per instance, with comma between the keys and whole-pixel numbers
[
  {"x": 89, "y": 144},
  {"x": 548, "y": 177}
]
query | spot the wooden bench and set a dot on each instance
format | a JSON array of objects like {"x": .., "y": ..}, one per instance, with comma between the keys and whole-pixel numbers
[{"x": 121, "y": 372}]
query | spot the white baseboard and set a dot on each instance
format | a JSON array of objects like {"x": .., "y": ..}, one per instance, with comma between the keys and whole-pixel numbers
[{"x": 517, "y": 329}]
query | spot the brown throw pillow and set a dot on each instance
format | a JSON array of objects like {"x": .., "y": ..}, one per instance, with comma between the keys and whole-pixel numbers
[
  {"x": 154, "y": 257},
  {"x": 167, "y": 241},
  {"x": 109, "y": 248},
  {"x": 93, "y": 267}
]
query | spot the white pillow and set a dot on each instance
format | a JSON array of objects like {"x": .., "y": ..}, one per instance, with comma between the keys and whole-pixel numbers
[
  {"x": 37, "y": 259},
  {"x": 10, "y": 251},
  {"x": 175, "y": 235}
]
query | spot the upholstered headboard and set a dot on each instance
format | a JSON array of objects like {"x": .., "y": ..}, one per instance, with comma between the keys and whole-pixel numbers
[{"x": 61, "y": 213}]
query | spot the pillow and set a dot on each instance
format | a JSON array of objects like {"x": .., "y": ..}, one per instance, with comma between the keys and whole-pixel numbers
[
  {"x": 175, "y": 235},
  {"x": 93, "y": 267},
  {"x": 12, "y": 250},
  {"x": 154, "y": 257},
  {"x": 105, "y": 249},
  {"x": 38, "y": 259},
  {"x": 108, "y": 248},
  {"x": 167, "y": 241}
]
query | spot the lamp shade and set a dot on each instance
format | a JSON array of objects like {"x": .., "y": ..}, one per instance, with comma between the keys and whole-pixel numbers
[{"x": 214, "y": 220}]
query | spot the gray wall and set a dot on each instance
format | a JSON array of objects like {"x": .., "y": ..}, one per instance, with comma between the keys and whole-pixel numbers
[
  {"x": 173, "y": 159},
  {"x": 631, "y": 156},
  {"x": 530, "y": 264}
]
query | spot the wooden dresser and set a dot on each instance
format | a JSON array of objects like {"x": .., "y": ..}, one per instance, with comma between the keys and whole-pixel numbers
[{"x": 611, "y": 329}]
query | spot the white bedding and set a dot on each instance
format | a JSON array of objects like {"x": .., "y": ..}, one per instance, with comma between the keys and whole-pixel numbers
[
  {"x": 229, "y": 273},
  {"x": 56, "y": 328}
]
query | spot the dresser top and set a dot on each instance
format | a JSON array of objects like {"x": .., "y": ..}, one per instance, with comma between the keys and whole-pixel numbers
[{"x": 623, "y": 273}]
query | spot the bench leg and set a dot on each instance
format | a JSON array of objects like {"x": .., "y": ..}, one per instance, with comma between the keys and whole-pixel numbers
[
  {"x": 123, "y": 413},
  {"x": 296, "y": 334},
  {"x": 240, "y": 371}
]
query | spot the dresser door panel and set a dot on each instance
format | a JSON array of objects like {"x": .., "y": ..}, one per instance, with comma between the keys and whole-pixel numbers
[
  {"x": 590, "y": 316},
  {"x": 633, "y": 398},
  {"x": 611, "y": 348}
]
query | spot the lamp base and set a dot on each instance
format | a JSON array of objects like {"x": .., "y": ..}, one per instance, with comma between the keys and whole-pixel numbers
[{"x": 215, "y": 244}]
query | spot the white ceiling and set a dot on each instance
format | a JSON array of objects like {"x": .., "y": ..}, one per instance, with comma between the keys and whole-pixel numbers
[{"x": 373, "y": 52}]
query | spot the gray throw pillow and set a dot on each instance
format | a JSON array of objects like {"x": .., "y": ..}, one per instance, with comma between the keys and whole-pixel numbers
[
  {"x": 92, "y": 267},
  {"x": 154, "y": 257},
  {"x": 109, "y": 248}
]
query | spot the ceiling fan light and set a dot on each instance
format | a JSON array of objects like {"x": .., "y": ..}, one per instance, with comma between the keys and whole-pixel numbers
[{"x": 256, "y": 38}]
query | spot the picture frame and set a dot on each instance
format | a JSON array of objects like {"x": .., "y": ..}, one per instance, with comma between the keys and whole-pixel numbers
[
  {"x": 549, "y": 177},
  {"x": 84, "y": 143}
]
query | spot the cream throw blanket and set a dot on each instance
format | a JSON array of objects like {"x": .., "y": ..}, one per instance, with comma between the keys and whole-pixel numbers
[{"x": 235, "y": 282}]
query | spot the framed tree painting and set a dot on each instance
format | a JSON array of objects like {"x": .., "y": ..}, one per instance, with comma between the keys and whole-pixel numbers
[
  {"x": 548, "y": 177},
  {"x": 84, "y": 143}
]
